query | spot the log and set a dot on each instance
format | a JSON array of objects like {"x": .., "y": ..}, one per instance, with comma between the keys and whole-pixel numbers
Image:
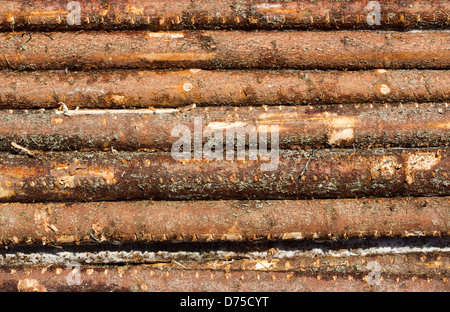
[
  {"x": 309, "y": 253},
  {"x": 300, "y": 127},
  {"x": 416, "y": 274},
  {"x": 326, "y": 173},
  {"x": 229, "y": 14},
  {"x": 226, "y": 50},
  {"x": 143, "y": 89},
  {"x": 205, "y": 221}
]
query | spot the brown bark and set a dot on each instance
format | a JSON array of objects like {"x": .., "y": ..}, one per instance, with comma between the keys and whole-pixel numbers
[
  {"x": 417, "y": 274},
  {"x": 381, "y": 125},
  {"x": 226, "y": 49},
  {"x": 227, "y": 14},
  {"x": 296, "y": 174},
  {"x": 119, "y": 89},
  {"x": 201, "y": 221}
]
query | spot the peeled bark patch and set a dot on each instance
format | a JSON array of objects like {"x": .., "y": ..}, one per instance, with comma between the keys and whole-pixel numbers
[
  {"x": 420, "y": 162},
  {"x": 30, "y": 285}
]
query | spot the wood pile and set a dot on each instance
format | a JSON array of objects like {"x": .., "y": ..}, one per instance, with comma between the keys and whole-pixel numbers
[{"x": 343, "y": 183}]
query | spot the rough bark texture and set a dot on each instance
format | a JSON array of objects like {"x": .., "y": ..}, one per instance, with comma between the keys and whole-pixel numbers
[
  {"x": 380, "y": 125},
  {"x": 119, "y": 89},
  {"x": 201, "y": 221},
  {"x": 228, "y": 14},
  {"x": 226, "y": 49},
  {"x": 92, "y": 181},
  {"x": 297, "y": 174},
  {"x": 415, "y": 272}
]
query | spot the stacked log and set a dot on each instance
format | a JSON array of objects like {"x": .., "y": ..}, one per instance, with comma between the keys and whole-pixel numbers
[{"x": 344, "y": 108}]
